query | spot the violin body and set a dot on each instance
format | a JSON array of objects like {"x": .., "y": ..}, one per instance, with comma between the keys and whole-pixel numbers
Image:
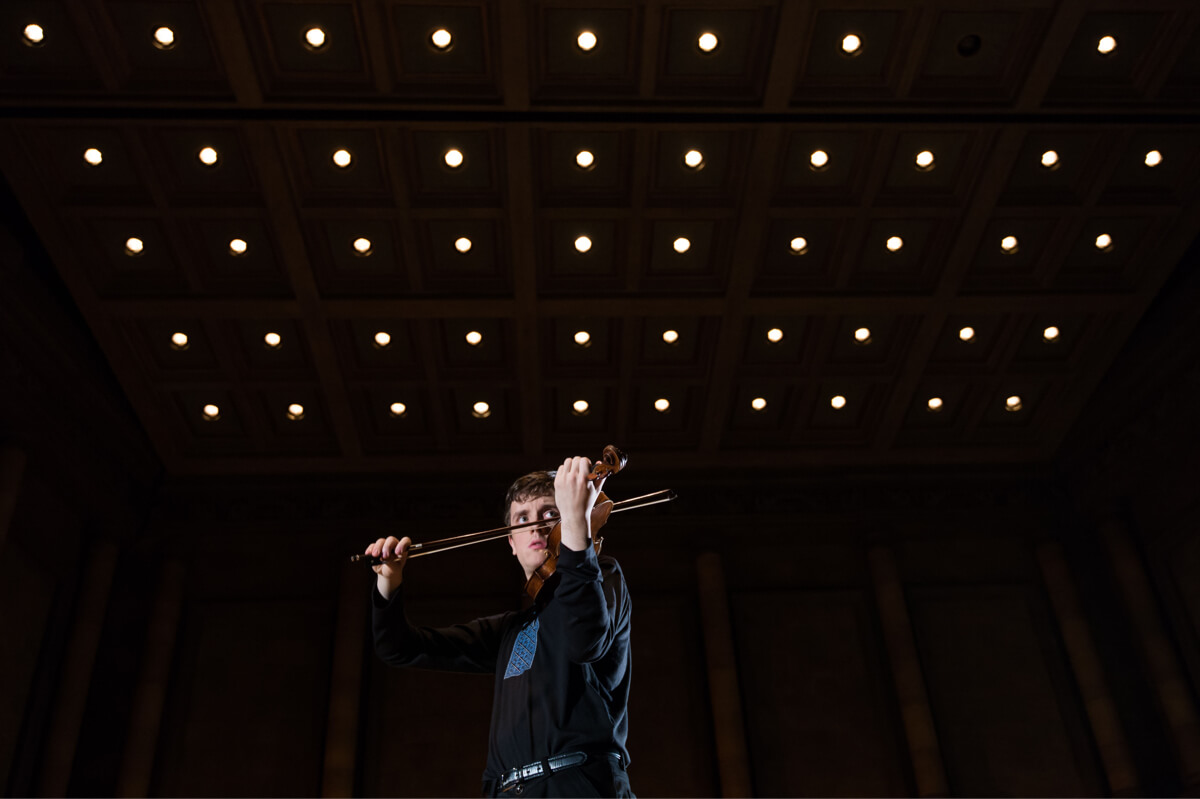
[{"x": 610, "y": 462}]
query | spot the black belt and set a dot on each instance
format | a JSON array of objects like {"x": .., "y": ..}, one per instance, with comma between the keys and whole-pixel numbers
[{"x": 515, "y": 776}]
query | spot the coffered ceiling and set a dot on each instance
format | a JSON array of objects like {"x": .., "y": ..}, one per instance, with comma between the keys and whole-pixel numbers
[{"x": 809, "y": 214}]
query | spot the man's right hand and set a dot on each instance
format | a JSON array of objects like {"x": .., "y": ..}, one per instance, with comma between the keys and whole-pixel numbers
[{"x": 394, "y": 553}]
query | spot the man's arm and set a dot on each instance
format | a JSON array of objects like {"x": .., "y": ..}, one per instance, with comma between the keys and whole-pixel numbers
[{"x": 595, "y": 601}]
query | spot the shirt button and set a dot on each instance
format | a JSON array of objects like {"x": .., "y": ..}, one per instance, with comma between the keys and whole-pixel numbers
[{"x": 520, "y": 789}]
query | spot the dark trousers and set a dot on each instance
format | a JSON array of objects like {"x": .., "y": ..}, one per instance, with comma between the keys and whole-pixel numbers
[{"x": 600, "y": 776}]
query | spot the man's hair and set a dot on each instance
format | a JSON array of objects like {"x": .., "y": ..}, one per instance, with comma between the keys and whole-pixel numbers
[{"x": 534, "y": 484}]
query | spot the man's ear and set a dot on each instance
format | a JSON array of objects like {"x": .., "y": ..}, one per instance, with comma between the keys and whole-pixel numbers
[{"x": 512, "y": 543}]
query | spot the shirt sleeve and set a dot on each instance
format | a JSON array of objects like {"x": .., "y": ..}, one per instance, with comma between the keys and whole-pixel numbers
[
  {"x": 595, "y": 603},
  {"x": 470, "y": 647}
]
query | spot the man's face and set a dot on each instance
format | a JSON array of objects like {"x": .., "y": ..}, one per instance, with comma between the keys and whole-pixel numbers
[{"x": 529, "y": 543}]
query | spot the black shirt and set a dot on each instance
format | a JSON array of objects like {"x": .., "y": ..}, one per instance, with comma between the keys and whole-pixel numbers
[{"x": 562, "y": 667}]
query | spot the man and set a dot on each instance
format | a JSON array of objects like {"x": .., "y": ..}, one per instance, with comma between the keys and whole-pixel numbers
[{"x": 562, "y": 666}]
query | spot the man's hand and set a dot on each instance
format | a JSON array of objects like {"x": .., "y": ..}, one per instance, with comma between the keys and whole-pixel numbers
[
  {"x": 575, "y": 495},
  {"x": 394, "y": 553}
]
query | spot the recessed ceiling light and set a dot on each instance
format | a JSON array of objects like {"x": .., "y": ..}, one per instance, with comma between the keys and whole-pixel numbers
[
  {"x": 837, "y": 402},
  {"x": 670, "y": 336},
  {"x": 362, "y": 246},
  {"x": 584, "y": 159},
  {"x": 314, "y": 38},
  {"x": 342, "y": 159},
  {"x": 208, "y": 156},
  {"x": 1009, "y": 243},
  {"x": 707, "y": 42},
  {"x": 462, "y": 244},
  {"x": 583, "y": 338},
  {"x": 1051, "y": 333},
  {"x": 441, "y": 39},
  {"x": 586, "y": 40},
  {"x": 799, "y": 245},
  {"x": 1106, "y": 45},
  {"x": 34, "y": 34},
  {"x": 453, "y": 158},
  {"x": 1050, "y": 159},
  {"x": 474, "y": 338},
  {"x": 934, "y": 404},
  {"x": 894, "y": 243},
  {"x": 1104, "y": 242},
  {"x": 925, "y": 160},
  {"x": 583, "y": 244},
  {"x": 295, "y": 411},
  {"x": 662, "y": 405},
  {"x": 682, "y": 245},
  {"x": 863, "y": 335},
  {"x": 238, "y": 246},
  {"x": 1013, "y": 403},
  {"x": 164, "y": 38},
  {"x": 693, "y": 159},
  {"x": 93, "y": 156},
  {"x": 758, "y": 403},
  {"x": 579, "y": 407},
  {"x": 819, "y": 159},
  {"x": 398, "y": 409},
  {"x": 1153, "y": 158},
  {"x": 211, "y": 413},
  {"x": 851, "y": 44},
  {"x": 774, "y": 335},
  {"x": 966, "y": 334},
  {"x": 481, "y": 410},
  {"x": 273, "y": 340},
  {"x": 134, "y": 246},
  {"x": 382, "y": 339},
  {"x": 179, "y": 341}
]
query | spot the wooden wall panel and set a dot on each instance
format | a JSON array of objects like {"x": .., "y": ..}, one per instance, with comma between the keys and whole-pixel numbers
[
  {"x": 248, "y": 701},
  {"x": 818, "y": 708},
  {"x": 1008, "y": 721},
  {"x": 670, "y": 725}
]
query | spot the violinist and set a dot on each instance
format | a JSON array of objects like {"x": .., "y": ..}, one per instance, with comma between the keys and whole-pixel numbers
[{"x": 562, "y": 666}]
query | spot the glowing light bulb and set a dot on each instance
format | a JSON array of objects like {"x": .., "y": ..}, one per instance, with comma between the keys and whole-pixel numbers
[
  {"x": 238, "y": 247},
  {"x": 799, "y": 245},
  {"x": 851, "y": 43},
  {"x": 462, "y": 244},
  {"x": 1051, "y": 333},
  {"x": 164, "y": 38},
  {"x": 758, "y": 403},
  {"x": 474, "y": 338},
  {"x": 894, "y": 243},
  {"x": 924, "y": 160},
  {"x": 819, "y": 159},
  {"x": 682, "y": 245},
  {"x": 693, "y": 159},
  {"x": 93, "y": 156},
  {"x": 453, "y": 158},
  {"x": 837, "y": 402},
  {"x": 208, "y": 156},
  {"x": 707, "y": 42},
  {"x": 314, "y": 38},
  {"x": 382, "y": 339},
  {"x": 583, "y": 244},
  {"x": 1104, "y": 242},
  {"x": 670, "y": 336},
  {"x": 211, "y": 413},
  {"x": 273, "y": 340},
  {"x": 586, "y": 41},
  {"x": 1009, "y": 243},
  {"x": 441, "y": 39},
  {"x": 481, "y": 410},
  {"x": 967, "y": 334},
  {"x": 295, "y": 411},
  {"x": 398, "y": 409},
  {"x": 362, "y": 246},
  {"x": 1050, "y": 159},
  {"x": 935, "y": 404},
  {"x": 134, "y": 246},
  {"x": 662, "y": 405},
  {"x": 584, "y": 159},
  {"x": 34, "y": 34},
  {"x": 342, "y": 159},
  {"x": 774, "y": 335},
  {"x": 1106, "y": 45},
  {"x": 862, "y": 335},
  {"x": 583, "y": 338},
  {"x": 179, "y": 341},
  {"x": 579, "y": 407},
  {"x": 1013, "y": 403},
  {"x": 1153, "y": 158}
]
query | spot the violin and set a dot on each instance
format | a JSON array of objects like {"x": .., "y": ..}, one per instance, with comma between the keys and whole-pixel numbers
[{"x": 612, "y": 460}]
